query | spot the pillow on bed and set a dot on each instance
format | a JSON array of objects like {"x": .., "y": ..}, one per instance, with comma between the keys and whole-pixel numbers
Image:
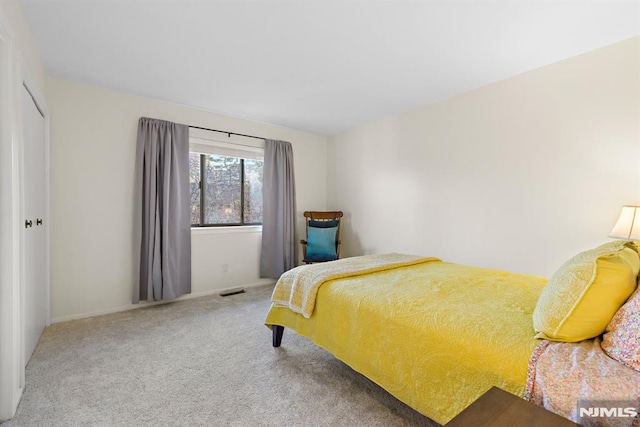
[
  {"x": 621, "y": 340},
  {"x": 321, "y": 244},
  {"x": 583, "y": 295}
]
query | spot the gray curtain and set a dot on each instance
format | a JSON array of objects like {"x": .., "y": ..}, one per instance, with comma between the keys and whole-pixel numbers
[
  {"x": 279, "y": 210},
  {"x": 163, "y": 225}
]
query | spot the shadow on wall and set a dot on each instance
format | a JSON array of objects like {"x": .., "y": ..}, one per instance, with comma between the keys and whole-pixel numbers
[{"x": 351, "y": 244}]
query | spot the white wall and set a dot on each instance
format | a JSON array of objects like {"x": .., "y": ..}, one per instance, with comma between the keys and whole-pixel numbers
[
  {"x": 518, "y": 175},
  {"x": 93, "y": 140}
]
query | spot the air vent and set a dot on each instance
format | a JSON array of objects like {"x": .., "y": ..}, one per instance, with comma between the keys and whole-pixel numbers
[{"x": 232, "y": 292}]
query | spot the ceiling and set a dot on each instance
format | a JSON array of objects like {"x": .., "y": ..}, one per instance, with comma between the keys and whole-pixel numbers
[{"x": 318, "y": 66}]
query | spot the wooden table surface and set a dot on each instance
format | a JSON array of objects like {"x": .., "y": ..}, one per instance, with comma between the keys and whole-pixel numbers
[{"x": 497, "y": 408}]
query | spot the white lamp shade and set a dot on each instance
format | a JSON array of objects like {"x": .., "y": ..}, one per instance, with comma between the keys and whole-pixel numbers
[{"x": 628, "y": 225}]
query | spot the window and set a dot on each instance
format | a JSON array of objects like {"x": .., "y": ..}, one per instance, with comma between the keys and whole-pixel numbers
[{"x": 226, "y": 188}]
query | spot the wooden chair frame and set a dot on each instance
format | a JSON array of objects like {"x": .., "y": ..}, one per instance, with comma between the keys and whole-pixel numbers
[{"x": 321, "y": 216}]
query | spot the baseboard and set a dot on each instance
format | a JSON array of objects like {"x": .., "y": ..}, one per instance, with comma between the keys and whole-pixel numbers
[{"x": 149, "y": 304}]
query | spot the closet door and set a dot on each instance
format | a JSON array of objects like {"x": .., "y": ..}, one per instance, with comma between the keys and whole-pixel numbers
[{"x": 34, "y": 254}]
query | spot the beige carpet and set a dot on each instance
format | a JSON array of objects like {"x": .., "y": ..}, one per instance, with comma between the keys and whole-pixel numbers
[{"x": 206, "y": 361}]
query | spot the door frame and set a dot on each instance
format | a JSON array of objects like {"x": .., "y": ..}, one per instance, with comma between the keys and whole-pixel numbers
[
  {"x": 13, "y": 74},
  {"x": 10, "y": 326}
]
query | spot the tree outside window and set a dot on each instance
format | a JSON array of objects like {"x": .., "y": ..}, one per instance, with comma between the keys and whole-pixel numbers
[{"x": 225, "y": 190}]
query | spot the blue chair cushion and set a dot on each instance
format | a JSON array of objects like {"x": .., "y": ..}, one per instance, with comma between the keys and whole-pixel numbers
[
  {"x": 321, "y": 244},
  {"x": 323, "y": 224}
]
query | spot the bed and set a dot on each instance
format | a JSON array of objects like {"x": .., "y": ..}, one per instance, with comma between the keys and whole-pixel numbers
[{"x": 434, "y": 334}]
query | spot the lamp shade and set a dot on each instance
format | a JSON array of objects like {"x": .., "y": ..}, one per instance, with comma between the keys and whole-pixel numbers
[{"x": 628, "y": 225}]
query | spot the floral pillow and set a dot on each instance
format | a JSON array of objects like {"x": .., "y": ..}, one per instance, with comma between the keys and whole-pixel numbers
[{"x": 621, "y": 340}]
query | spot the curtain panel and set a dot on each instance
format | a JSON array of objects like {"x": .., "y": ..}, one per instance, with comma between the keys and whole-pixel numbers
[
  {"x": 279, "y": 210},
  {"x": 162, "y": 223}
]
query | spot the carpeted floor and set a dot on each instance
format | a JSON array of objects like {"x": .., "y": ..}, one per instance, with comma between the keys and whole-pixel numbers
[{"x": 206, "y": 361}]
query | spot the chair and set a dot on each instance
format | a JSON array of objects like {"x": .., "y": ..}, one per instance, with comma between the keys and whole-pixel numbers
[{"x": 323, "y": 236}]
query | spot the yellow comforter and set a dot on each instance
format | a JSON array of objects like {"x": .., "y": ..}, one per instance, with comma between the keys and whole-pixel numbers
[{"x": 436, "y": 335}]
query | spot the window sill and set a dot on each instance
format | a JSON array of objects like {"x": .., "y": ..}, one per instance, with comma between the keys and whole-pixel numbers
[{"x": 225, "y": 230}]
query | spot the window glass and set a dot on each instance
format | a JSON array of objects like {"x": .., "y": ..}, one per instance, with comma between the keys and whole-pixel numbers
[
  {"x": 194, "y": 187},
  {"x": 222, "y": 186},
  {"x": 253, "y": 191}
]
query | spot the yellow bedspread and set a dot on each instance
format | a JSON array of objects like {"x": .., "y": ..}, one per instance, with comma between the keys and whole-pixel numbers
[
  {"x": 436, "y": 335},
  {"x": 297, "y": 288}
]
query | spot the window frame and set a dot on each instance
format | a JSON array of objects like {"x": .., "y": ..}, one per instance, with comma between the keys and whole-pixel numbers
[{"x": 202, "y": 197}]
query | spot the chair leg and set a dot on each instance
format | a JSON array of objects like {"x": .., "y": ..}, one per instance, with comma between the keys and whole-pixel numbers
[{"x": 276, "y": 331}]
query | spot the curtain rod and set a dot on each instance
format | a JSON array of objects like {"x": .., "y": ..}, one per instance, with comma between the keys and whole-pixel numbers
[{"x": 227, "y": 132}]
